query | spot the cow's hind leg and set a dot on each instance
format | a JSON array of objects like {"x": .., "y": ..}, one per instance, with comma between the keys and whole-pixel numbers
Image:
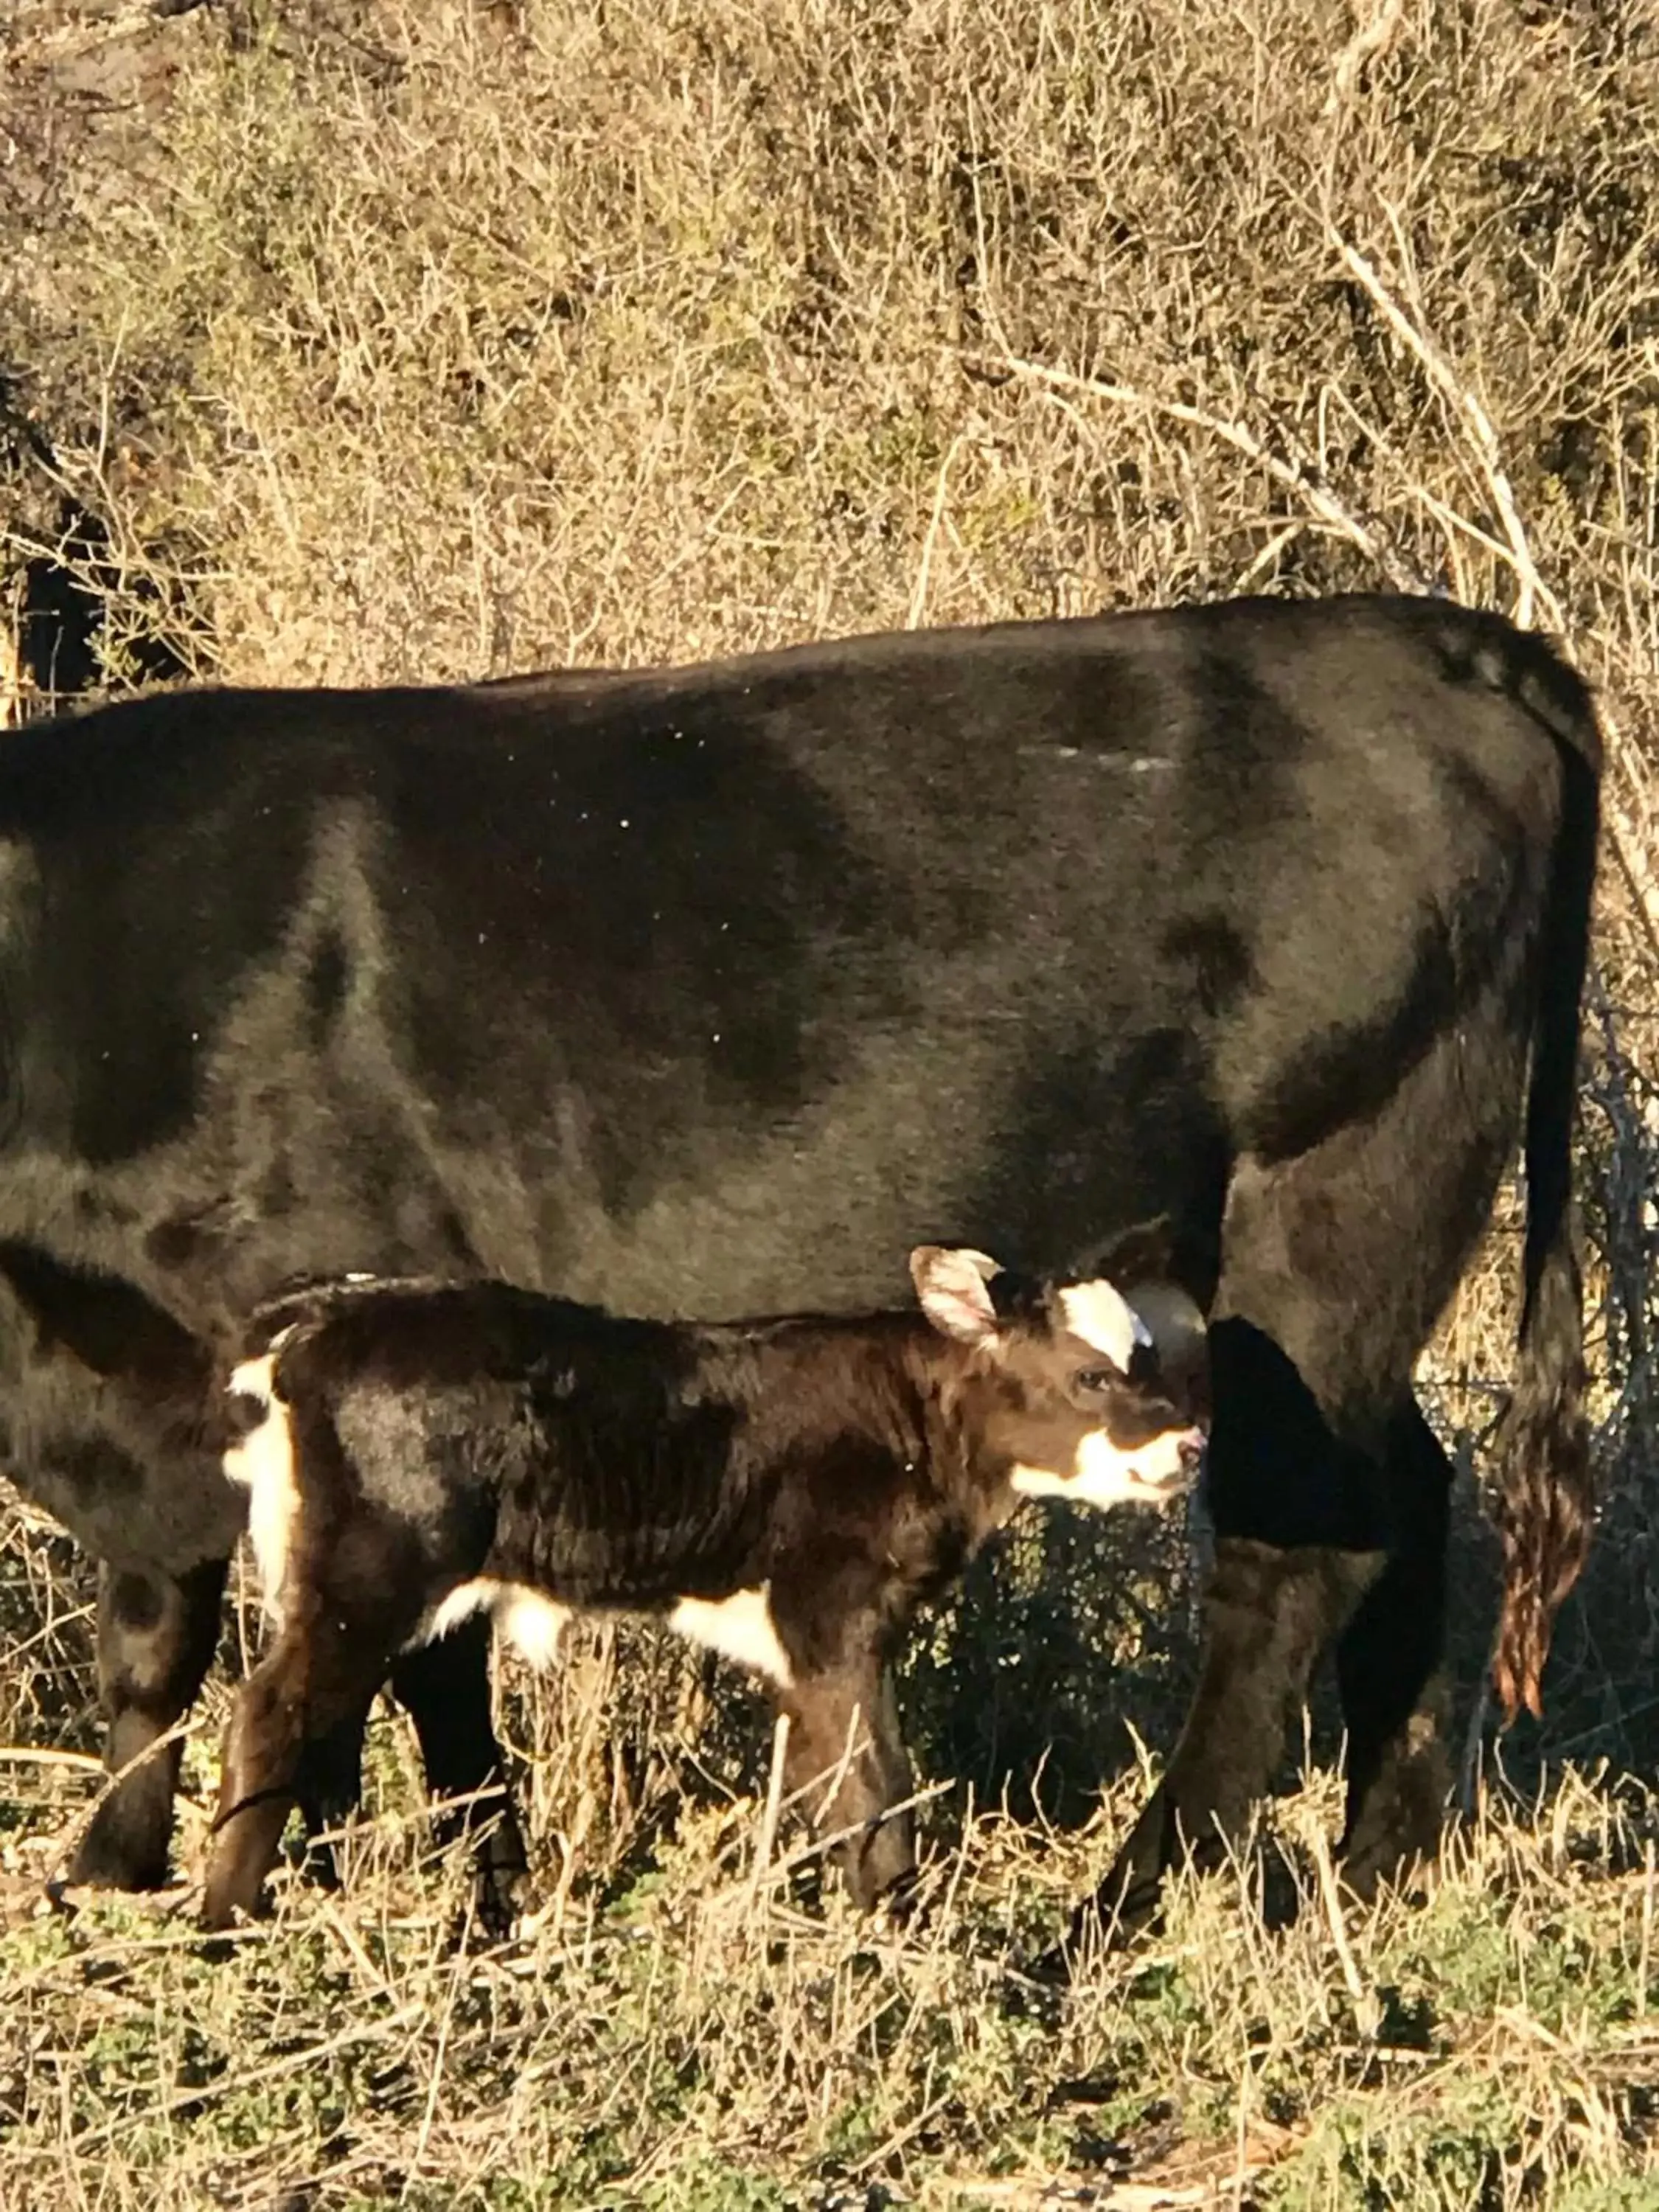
[
  {"x": 157, "y": 1634},
  {"x": 1391, "y": 1673},
  {"x": 445, "y": 1689},
  {"x": 1328, "y": 1496},
  {"x": 1300, "y": 1541}
]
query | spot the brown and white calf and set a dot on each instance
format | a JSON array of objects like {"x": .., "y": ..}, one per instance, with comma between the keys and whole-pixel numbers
[{"x": 784, "y": 1491}]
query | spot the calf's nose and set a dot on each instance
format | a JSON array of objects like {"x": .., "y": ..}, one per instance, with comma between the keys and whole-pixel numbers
[{"x": 1192, "y": 1456}]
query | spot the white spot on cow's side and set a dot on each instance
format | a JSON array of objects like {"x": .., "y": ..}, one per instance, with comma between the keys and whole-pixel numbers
[
  {"x": 1105, "y": 1475},
  {"x": 739, "y": 1626},
  {"x": 1101, "y": 1315},
  {"x": 263, "y": 1463},
  {"x": 1096, "y": 758},
  {"x": 527, "y": 1619}
]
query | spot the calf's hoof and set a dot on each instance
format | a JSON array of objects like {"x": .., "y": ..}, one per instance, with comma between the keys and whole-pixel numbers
[
  {"x": 500, "y": 1899},
  {"x": 218, "y": 1912},
  {"x": 882, "y": 1863},
  {"x": 499, "y": 1892},
  {"x": 899, "y": 1904},
  {"x": 233, "y": 1889},
  {"x": 1101, "y": 1923}
]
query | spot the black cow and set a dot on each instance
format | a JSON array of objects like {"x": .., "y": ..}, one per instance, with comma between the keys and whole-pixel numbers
[
  {"x": 711, "y": 991},
  {"x": 784, "y": 1491}
]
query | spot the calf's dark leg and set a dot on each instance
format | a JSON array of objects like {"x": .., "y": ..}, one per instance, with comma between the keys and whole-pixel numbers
[
  {"x": 316, "y": 1678},
  {"x": 157, "y": 1634},
  {"x": 329, "y": 1786},
  {"x": 847, "y": 1760},
  {"x": 445, "y": 1689},
  {"x": 1391, "y": 1672}
]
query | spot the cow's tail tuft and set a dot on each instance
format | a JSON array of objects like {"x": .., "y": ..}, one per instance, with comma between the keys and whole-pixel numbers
[{"x": 1545, "y": 1496}]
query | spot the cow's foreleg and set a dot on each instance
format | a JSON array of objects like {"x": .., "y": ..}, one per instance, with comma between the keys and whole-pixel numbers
[
  {"x": 445, "y": 1689},
  {"x": 1301, "y": 1533},
  {"x": 157, "y": 1637},
  {"x": 848, "y": 1761},
  {"x": 1391, "y": 1668}
]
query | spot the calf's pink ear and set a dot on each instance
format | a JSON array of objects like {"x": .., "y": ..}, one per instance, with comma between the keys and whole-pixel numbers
[{"x": 954, "y": 1287}]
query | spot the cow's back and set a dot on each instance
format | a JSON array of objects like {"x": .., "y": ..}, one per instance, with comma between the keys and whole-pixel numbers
[{"x": 714, "y": 990}]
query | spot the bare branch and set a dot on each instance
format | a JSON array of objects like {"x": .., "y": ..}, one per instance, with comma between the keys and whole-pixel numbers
[
  {"x": 1535, "y": 592},
  {"x": 1368, "y": 42},
  {"x": 1294, "y": 473}
]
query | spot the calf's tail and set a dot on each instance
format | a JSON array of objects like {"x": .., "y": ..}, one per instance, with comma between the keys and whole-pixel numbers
[
  {"x": 1545, "y": 1495},
  {"x": 261, "y": 1459}
]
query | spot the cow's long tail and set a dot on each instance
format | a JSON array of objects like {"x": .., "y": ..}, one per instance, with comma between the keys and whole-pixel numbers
[{"x": 1545, "y": 1496}]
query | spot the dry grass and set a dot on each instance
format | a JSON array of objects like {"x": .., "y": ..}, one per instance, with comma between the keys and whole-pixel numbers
[
  {"x": 357, "y": 340},
  {"x": 667, "y": 2038},
  {"x": 683, "y": 2043}
]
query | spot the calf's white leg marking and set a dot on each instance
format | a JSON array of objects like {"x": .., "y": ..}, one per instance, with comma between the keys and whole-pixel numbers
[
  {"x": 740, "y": 1626},
  {"x": 262, "y": 1463},
  {"x": 531, "y": 1623}
]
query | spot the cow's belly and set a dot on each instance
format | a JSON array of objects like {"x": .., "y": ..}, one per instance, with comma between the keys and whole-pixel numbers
[{"x": 127, "y": 1461}]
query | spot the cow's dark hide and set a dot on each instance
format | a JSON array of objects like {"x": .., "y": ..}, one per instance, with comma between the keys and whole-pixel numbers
[{"x": 713, "y": 990}]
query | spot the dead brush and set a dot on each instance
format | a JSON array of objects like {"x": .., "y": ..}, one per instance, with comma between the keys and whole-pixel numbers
[{"x": 428, "y": 341}]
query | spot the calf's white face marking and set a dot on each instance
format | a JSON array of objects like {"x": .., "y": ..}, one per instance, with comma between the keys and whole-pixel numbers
[
  {"x": 1105, "y": 1475},
  {"x": 262, "y": 1463},
  {"x": 1103, "y": 1317},
  {"x": 739, "y": 1626}
]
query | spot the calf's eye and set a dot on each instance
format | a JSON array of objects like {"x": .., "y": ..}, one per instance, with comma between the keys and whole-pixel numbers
[{"x": 1097, "y": 1378}]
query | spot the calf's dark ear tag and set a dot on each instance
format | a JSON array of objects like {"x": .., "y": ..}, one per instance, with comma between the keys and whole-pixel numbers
[{"x": 1144, "y": 1252}]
